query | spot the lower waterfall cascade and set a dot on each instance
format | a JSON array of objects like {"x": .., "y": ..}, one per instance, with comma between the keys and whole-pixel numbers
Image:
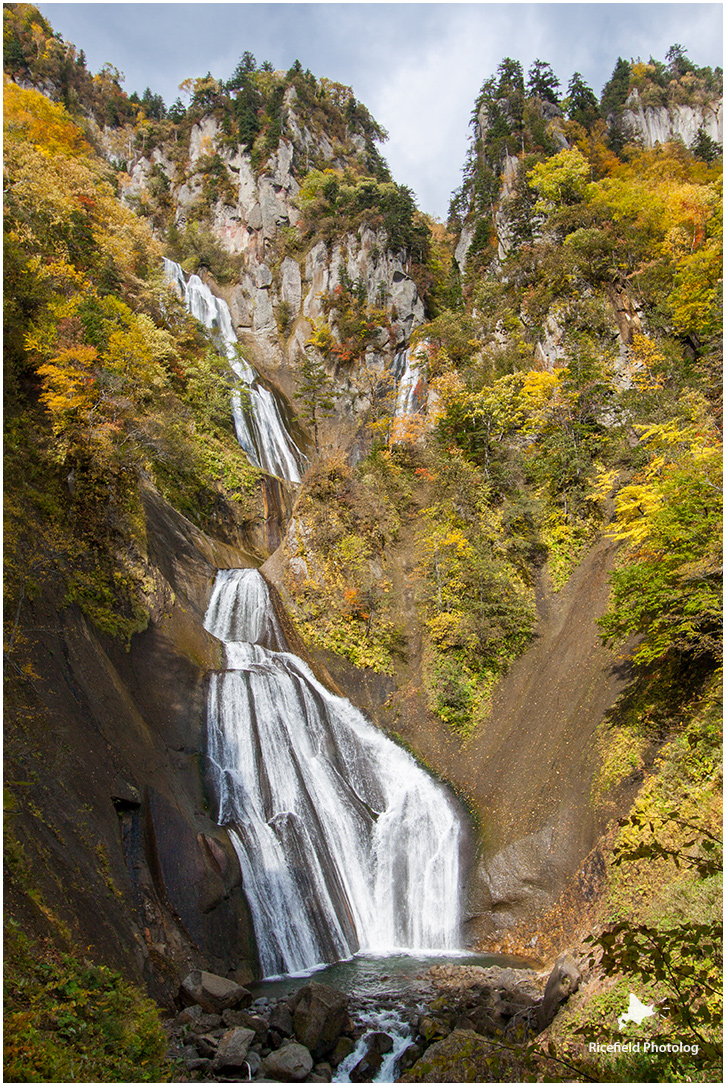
[
  {"x": 344, "y": 841},
  {"x": 259, "y": 415}
]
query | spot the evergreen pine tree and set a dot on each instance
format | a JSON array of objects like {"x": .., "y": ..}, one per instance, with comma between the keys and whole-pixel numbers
[{"x": 315, "y": 395}]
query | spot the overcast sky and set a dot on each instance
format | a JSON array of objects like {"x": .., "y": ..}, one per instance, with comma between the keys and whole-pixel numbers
[{"x": 417, "y": 67}]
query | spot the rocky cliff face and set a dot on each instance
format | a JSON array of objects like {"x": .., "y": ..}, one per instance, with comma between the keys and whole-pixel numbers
[
  {"x": 652, "y": 125},
  {"x": 278, "y": 295},
  {"x": 117, "y": 848}
]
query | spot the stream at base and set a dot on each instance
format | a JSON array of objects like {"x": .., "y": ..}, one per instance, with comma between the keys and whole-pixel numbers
[{"x": 386, "y": 997}]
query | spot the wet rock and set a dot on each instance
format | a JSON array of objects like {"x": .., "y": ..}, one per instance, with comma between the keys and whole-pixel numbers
[
  {"x": 291, "y": 1063},
  {"x": 207, "y": 1046},
  {"x": 200, "y": 1064},
  {"x": 183, "y": 1052},
  {"x": 205, "y": 1023},
  {"x": 213, "y": 993},
  {"x": 320, "y": 1015},
  {"x": 343, "y": 1048},
  {"x": 561, "y": 983},
  {"x": 187, "y": 1017},
  {"x": 410, "y": 1055},
  {"x": 233, "y": 1047},
  {"x": 254, "y": 1062},
  {"x": 366, "y": 1069},
  {"x": 322, "y": 1072}
]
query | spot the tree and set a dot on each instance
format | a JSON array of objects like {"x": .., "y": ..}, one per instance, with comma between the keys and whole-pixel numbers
[
  {"x": 686, "y": 958},
  {"x": 511, "y": 77},
  {"x": 245, "y": 66},
  {"x": 542, "y": 82},
  {"x": 582, "y": 105},
  {"x": 667, "y": 590},
  {"x": 153, "y": 105},
  {"x": 561, "y": 181},
  {"x": 614, "y": 96},
  {"x": 678, "y": 62},
  {"x": 315, "y": 394},
  {"x": 615, "y": 92},
  {"x": 705, "y": 148},
  {"x": 177, "y": 111}
]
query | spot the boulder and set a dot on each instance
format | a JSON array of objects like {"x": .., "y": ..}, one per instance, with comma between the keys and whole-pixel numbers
[
  {"x": 212, "y": 993},
  {"x": 201, "y": 1064},
  {"x": 291, "y": 1063},
  {"x": 561, "y": 983},
  {"x": 281, "y": 1021},
  {"x": 249, "y": 1021},
  {"x": 206, "y": 1022},
  {"x": 433, "y": 1029},
  {"x": 377, "y": 1044},
  {"x": 343, "y": 1048},
  {"x": 463, "y": 1056},
  {"x": 233, "y": 1047},
  {"x": 206, "y": 1045},
  {"x": 410, "y": 1056},
  {"x": 188, "y": 1016},
  {"x": 254, "y": 1062},
  {"x": 320, "y": 1016}
]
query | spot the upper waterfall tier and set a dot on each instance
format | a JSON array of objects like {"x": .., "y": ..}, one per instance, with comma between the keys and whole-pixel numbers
[
  {"x": 345, "y": 843},
  {"x": 259, "y": 415},
  {"x": 411, "y": 385}
]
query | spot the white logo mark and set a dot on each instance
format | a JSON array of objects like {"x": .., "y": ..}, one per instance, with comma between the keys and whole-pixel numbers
[{"x": 636, "y": 1012}]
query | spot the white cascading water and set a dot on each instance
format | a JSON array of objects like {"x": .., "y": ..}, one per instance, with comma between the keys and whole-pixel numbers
[
  {"x": 258, "y": 418},
  {"x": 345, "y": 843},
  {"x": 411, "y": 385}
]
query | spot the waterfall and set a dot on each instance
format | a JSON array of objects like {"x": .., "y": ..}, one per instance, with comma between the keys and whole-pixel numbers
[
  {"x": 411, "y": 385},
  {"x": 345, "y": 843},
  {"x": 259, "y": 415}
]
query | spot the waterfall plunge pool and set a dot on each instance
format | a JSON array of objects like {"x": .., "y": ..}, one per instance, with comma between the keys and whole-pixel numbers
[{"x": 374, "y": 975}]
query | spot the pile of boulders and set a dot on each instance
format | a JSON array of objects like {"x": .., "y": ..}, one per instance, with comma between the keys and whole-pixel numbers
[
  {"x": 223, "y": 1035},
  {"x": 474, "y": 1010}
]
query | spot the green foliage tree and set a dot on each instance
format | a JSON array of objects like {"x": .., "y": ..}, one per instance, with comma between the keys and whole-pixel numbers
[
  {"x": 616, "y": 90},
  {"x": 562, "y": 180},
  {"x": 704, "y": 147},
  {"x": 542, "y": 82},
  {"x": 581, "y": 104},
  {"x": 685, "y": 959},
  {"x": 315, "y": 394}
]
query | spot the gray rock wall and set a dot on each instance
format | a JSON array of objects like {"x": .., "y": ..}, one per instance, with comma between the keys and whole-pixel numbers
[
  {"x": 654, "y": 125},
  {"x": 252, "y": 226}
]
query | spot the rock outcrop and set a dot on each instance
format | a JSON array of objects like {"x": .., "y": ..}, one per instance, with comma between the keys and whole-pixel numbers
[
  {"x": 276, "y": 289},
  {"x": 652, "y": 125}
]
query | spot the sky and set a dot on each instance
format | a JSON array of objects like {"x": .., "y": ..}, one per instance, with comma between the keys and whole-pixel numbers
[{"x": 418, "y": 67}]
